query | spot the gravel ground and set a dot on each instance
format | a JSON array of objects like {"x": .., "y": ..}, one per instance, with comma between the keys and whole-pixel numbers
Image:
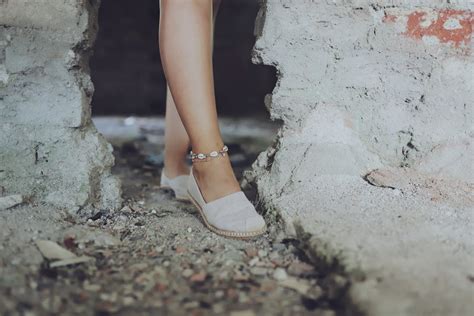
[{"x": 154, "y": 256}]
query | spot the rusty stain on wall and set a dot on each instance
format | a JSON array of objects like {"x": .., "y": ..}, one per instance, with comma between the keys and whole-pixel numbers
[{"x": 445, "y": 26}]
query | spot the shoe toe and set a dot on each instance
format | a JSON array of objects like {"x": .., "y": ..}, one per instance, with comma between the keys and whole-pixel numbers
[{"x": 254, "y": 223}]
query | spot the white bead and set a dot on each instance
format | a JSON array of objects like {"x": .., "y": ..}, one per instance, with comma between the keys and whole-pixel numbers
[
  {"x": 201, "y": 156},
  {"x": 214, "y": 154}
]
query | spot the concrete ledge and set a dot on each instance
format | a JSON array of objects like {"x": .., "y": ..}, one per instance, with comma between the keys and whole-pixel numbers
[{"x": 409, "y": 251}]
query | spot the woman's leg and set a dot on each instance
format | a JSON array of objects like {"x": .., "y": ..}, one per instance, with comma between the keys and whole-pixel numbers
[
  {"x": 176, "y": 138},
  {"x": 186, "y": 53},
  {"x": 176, "y": 141}
]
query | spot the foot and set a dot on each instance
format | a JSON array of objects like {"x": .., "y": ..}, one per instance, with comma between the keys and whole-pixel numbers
[
  {"x": 215, "y": 178},
  {"x": 232, "y": 215}
]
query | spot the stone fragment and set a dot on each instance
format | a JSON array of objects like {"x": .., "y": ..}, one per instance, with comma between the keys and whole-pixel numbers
[
  {"x": 52, "y": 251},
  {"x": 198, "y": 277},
  {"x": 7, "y": 202},
  {"x": 71, "y": 261},
  {"x": 298, "y": 268},
  {"x": 187, "y": 273},
  {"x": 251, "y": 252},
  {"x": 259, "y": 271},
  {"x": 299, "y": 285},
  {"x": 253, "y": 261},
  {"x": 280, "y": 274}
]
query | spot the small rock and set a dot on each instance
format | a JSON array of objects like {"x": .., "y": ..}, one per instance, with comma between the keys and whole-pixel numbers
[
  {"x": 259, "y": 271},
  {"x": 299, "y": 285},
  {"x": 273, "y": 255},
  {"x": 279, "y": 247},
  {"x": 51, "y": 250},
  {"x": 52, "y": 304},
  {"x": 191, "y": 305},
  {"x": 127, "y": 300},
  {"x": 218, "y": 308},
  {"x": 262, "y": 253},
  {"x": 234, "y": 255},
  {"x": 71, "y": 261},
  {"x": 190, "y": 230},
  {"x": 298, "y": 268},
  {"x": 240, "y": 277},
  {"x": 315, "y": 292},
  {"x": 253, "y": 261},
  {"x": 91, "y": 287},
  {"x": 187, "y": 273},
  {"x": 251, "y": 252},
  {"x": 198, "y": 277},
  {"x": 109, "y": 297},
  {"x": 126, "y": 209},
  {"x": 280, "y": 274}
]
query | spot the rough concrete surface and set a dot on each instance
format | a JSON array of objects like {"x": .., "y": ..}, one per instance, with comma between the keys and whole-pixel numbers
[
  {"x": 373, "y": 165},
  {"x": 50, "y": 151}
]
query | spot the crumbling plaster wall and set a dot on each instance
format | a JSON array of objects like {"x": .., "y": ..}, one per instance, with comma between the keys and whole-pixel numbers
[
  {"x": 373, "y": 168},
  {"x": 365, "y": 85},
  {"x": 49, "y": 149}
]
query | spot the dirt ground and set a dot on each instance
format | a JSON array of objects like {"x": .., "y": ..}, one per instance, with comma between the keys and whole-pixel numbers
[{"x": 154, "y": 256}]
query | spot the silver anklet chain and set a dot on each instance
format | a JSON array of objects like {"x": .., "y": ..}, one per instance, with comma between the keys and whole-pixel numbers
[{"x": 212, "y": 154}]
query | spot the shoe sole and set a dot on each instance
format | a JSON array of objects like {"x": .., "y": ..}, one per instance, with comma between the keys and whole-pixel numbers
[{"x": 226, "y": 233}]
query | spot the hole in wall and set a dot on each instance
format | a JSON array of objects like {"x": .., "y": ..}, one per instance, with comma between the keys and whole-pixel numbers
[
  {"x": 129, "y": 101},
  {"x": 126, "y": 67}
]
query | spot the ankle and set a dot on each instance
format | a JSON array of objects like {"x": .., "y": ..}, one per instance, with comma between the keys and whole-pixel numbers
[{"x": 176, "y": 169}]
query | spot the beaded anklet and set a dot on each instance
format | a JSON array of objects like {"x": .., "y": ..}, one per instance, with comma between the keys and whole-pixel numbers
[{"x": 213, "y": 154}]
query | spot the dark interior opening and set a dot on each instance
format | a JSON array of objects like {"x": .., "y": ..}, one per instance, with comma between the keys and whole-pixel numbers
[{"x": 126, "y": 68}]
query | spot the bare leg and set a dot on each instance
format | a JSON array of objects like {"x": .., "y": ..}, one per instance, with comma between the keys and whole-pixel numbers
[
  {"x": 186, "y": 53},
  {"x": 176, "y": 139}
]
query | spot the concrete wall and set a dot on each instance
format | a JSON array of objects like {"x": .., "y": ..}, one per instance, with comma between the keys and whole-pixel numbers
[
  {"x": 373, "y": 168},
  {"x": 368, "y": 84},
  {"x": 49, "y": 149}
]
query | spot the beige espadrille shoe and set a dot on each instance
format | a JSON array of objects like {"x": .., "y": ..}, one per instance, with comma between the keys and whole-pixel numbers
[
  {"x": 232, "y": 215},
  {"x": 178, "y": 185}
]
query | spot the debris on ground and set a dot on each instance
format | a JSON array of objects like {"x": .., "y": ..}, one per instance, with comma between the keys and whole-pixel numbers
[
  {"x": 52, "y": 251},
  {"x": 152, "y": 257}
]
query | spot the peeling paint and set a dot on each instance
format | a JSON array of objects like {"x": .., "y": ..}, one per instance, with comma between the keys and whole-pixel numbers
[
  {"x": 448, "y": 26},
  {"x": 435, "y": 26},
  {"x": 389, "y": 18}
]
